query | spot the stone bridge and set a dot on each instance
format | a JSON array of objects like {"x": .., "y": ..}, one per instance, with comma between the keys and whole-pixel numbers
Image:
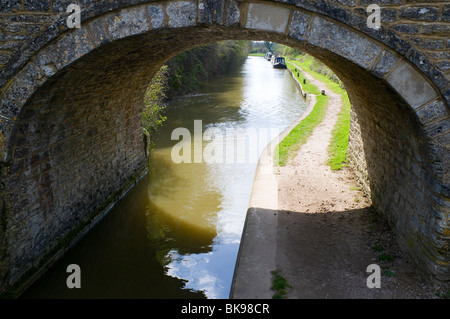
[{"x": 70, "y": 132}]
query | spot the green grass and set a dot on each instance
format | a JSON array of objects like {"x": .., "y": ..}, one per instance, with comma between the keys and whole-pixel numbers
[
  {"x": 299, "y": 135},
  {"x": 377, "y": 248},
  {"x": 443, "y": 294},
  {"x": 337, "y": 149},
  {"x": 389, "y": 273},
  {"x": 279, "y": 285},
  {"x": 385, "y": 257},
  {"x": 307, "y": 87},
  {"x": 339, "y": 141}
]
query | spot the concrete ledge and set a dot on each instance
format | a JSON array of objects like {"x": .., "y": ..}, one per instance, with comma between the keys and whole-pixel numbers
[{"x": 256, "y": 258}]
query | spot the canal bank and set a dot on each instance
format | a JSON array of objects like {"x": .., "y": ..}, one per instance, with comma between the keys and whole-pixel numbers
[
  {"x": 257, "y": 252},
  {"x": 315, "y": 227}
]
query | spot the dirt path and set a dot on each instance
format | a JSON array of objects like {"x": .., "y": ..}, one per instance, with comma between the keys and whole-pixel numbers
[{"x": 328, "y": 233}]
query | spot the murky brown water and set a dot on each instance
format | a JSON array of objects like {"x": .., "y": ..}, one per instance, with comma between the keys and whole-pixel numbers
[{"x": 177, "y": 233}]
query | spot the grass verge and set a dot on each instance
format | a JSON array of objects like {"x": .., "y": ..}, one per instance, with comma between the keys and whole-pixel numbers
[
  {"x": 307, "y": 87},
  {"x": 299, "y": 134},
  {"x": 279, "y": 285},
  {"x": 337, "y": 149}
]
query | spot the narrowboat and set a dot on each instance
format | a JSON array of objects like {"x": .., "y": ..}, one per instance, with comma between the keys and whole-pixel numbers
[{"x": 279, "y": 63}]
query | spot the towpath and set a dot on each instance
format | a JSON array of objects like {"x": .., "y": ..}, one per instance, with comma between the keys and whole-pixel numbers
[{"x": 318, "y": 230}]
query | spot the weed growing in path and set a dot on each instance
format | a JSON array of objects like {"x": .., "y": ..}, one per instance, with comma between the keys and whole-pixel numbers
[{"x": 279, "y": 285}]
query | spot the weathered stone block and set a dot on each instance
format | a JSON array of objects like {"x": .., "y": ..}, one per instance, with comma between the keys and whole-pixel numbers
[
  {"x": 349, "y": 3},
  {"x": 425, "y": 13},
  {"x": 380, "y": 2},
  {"x": 385, "y": 64},
  {"x": 299, "y": 25},
  {"x": 34, "y": 29},
  {"x": 406, "y": 80},
  {"x": 10, "y": 5},
  {"x": 36, "y": 5},
  {"x": 71, "y": 47},
  {"x": 99, "y": 32},
  {"x": 232, "y": 13},
  {"x": 181, "y": 14},
  {"x": 60, "y": 6},
  {"x": 14, "y": 97},
  {"x": 14, "y": 37},
  {"x": 10, "y": 46},
  {"x": 342, "y": 41},
  {"x": 6, "y": 127},
  {"x": 156, "y": 14},
  {"x": 4, "y": 58},
  {"x": 14, "y": 28},
  {"x": 444, "y": 65},
  {"x": 388, "y": 15},
  {"x": 435, "y": 29},
  {"x": 407, "y": 28},
  {"x": 210, "y": 11},
  {"x": 428, "y": 44},
  {"x": 267, "y": 17},
  {"x": 435, "y": 129},
  {"x": 45, "y": 63},
  {"x": 127, "y": 23},
  {"x": 446, "y": 13},
  {"x": 432, "y": 111}
]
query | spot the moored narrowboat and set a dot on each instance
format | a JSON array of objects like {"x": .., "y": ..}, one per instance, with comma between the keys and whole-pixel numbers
[
  {"x": 279, "y": 63},
  {"x": 268, "y": 56}
]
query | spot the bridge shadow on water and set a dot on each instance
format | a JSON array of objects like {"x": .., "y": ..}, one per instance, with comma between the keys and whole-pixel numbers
[{"x": 126, "y": 255}]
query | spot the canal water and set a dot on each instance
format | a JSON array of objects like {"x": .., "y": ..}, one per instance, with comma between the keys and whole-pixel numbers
[{"x": 176, "y": 234}]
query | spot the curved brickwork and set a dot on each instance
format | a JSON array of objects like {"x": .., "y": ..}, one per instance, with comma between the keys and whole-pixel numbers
[{"x": 71, "y": 100}]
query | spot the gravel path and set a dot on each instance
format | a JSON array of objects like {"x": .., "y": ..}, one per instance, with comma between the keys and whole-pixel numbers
[{"x": 328, "y": 233}]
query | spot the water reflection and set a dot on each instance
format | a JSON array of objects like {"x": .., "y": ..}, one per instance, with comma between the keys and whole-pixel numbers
[
  {"x": 215, "y": 196},
  {"x": 177, "y": 233}
]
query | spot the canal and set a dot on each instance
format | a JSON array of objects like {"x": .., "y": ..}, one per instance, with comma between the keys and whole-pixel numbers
[{"x": 176, "y": 234}]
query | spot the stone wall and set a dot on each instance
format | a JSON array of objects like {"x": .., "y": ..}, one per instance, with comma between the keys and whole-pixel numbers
[
  {"x": 393, "y": 161},
  {"x": 424, "y": 24},
  {"x": 74, "y": 154}
]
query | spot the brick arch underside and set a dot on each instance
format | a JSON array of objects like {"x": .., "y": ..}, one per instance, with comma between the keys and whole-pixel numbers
[{"x": 79, "y": 140}]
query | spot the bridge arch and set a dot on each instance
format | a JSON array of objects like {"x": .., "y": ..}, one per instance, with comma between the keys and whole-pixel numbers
[{"x": 71, "y": 139}]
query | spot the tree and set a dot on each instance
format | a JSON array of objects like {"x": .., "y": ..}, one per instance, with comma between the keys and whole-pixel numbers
[
  {"x": 152, "y": 113},
  {"x": 269, "y": 46}
]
